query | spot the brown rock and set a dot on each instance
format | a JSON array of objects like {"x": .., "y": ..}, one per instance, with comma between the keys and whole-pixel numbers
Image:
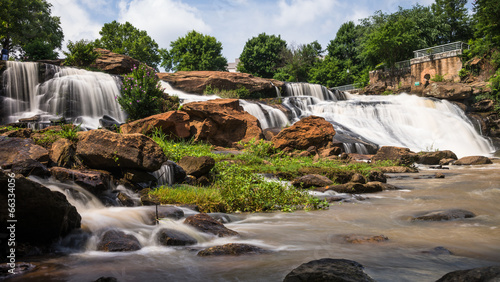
[
  {"x": 311, "y": 180},
  {"x": 172, "y": 237},
  {"x": 399, "y": 154},
  {"x": 473, "y": 160},
  {"x": 309, "y": 131},
  {"x": 207, "y": 224},
  {"x": 397, "y": 169},
  {"x": 197, "y": 166},
  {"x": 484, "y": 106},
  {"x": 444, "y": 215},
  {"x": 21, "y": 133},
  {"x": 62, "y": 152},
  {"x": 197, "y": 82},
  {"x": 328, "y": 269},
  {"x": 102, "y": 149},
  {"x": 222, "y": 122},
  {"x": 448, "y": 90},
  {"x": 334, "y": 151},
  {"x": 29, "y": 167},
  {"x": 118, "y": 241},
  {"x": 114, "y": 63},
  {"x": 231, "y": 249},
  {"x": 446, "y": 161},
  {"x": 173, "y": 124},
  {"x": 434, "y": 158},
  {"x": 490, "y": 274},
  {"x": 14, "y": 149},
  {"x": 94, "y": 181},
  {"x": 361, "y": 239},
  {"x": 357, "y": 188},
  {"x": 358, "y": 178}
]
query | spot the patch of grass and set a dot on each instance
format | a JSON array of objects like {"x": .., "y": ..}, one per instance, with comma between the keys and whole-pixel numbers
[
  {"x": 240, "y": 93},
  {"x": 438, "y": 78},
  {"x": 176, "y": 149},
  {"x": 207, "y": 199}
]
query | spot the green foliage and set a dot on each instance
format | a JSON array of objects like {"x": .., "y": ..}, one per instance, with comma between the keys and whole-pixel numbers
[
  {"x": 69, "y": 131},
  {"x": 262, "y": 55},
  {"x": 28, "y": 23},
  {"x": 260, "y": 148},
  {"x": 298, "y": 61},
  {"x": 176, "y": 149},
  {"x": 141, "y": 93},
  {"x": 39, "y": 49},
  {"x": 454, "y": 20},
  {"x": 194, "y": 52},
  {"x": 438, "y": 78},
  {"x": 207, "y": 199},
  {"x": 327, "y": 72},
  {"x": 81, "y": 53},
  {"x": 240, "y": 93},
  {"x": 487, "y": 19},
  {"x": 128, "y": 40}
]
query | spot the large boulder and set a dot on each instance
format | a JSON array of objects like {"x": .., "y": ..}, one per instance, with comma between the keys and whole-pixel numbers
[
  {"x": 231, "y": 249},
  {"x": 473, "y": 160},
  {"x": 434, "y": 158},
  {"x": 312, "y": 180},
  {"x": 222, "y": 122},
  {"x": 172, "y": 237},
  {"x": 103, "y": 149},
  {"x": 94, "y": 181},
  {"x": 204, "y": 223},
  {"x": 480, "y": 274},
  {"x": 114, "y": 63},
  {"x": 197, "y": 166},
  {"x": 307, "y": 132},
  {"x": 63, "y": 152},
  {"x": 327, "y": 269},
  {"x": 174, "y": 124},
  {"x": 402, "y": 156},
  {"x": 448, "y": 90},
  {"x": 444, "y": 215},
  {"x": 15, "y": 149},
  {"x": 198, "y": 81},
  {"x": 43, "y": 216},
  {"x": 118, "y": 241}
]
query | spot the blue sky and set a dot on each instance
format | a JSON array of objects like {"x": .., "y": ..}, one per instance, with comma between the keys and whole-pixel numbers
[{"x": 230, "y": 22}]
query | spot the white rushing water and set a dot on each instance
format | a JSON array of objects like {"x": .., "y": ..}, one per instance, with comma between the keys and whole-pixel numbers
[{"x": 79, "y": 95}]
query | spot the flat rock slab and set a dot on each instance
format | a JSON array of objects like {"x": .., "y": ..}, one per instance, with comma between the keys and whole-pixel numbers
[
  {"x": 207, "y": 224},
  {"x": 473, "y": 160},
  {"x": 444, "y": 215},
  {"x": 328, "y": 269}
]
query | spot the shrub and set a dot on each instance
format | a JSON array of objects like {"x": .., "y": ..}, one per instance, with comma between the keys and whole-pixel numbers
[
  {"x": 438, "y": 78},
  {"x": 81, "y": 53},
  {"x": 141, "y": 93}
]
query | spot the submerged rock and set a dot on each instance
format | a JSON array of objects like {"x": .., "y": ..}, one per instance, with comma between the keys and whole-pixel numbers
[
  {"x": 207, "y": 224},
  {"x": 473, "y": 160},
  {"x": 231, "y": 249},
  {"x": 362, "y": 239},
  {"x": 172, "y": 237},
  {"x": 307, "y": 132},
  {"x": 444, "y": 215},
  {"x": 480, "y": 274},
  {"x": 118, "y": 241},
  {"x": 328, "y": 269}
]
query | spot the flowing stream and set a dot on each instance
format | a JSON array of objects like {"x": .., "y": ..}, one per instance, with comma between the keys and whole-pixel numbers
[{"x": 414, "y": 251}]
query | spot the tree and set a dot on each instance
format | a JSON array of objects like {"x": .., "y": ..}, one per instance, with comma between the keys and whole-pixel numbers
[
  {"x": 26, "y": 25},
  {"x": 454, "y": 19},
  {"x": 298, "y": 61},
  {"x": 327, "y": 72},
  {"x": 487, "y": 17},
  {"x": 194, "y": 51},
  {"x": 128, "y": 40},
  {"x": 262, "y": 55},
  {"x": 81, "y": 53},
  {"x": 39, "y": 49}
]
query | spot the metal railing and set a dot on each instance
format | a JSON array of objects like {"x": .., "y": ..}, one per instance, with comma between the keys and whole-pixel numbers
[
  {"x": 346, "y": 87},
  {"x": 459, "y": 45}
]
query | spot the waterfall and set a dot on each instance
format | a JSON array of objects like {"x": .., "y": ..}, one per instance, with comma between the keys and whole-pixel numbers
[
  {"x": 165, "y": 175},
  {"x": 267, "y": 115},
  {"x": 79, "y": 95},
  {"x": 420, "y": 124}
]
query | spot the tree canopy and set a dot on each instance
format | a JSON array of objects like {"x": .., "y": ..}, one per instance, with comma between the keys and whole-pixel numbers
[
  {"x": 128, "y": 40},
  {"x": 454, "y": 19},
  {"x": 262, "y": 55},
  {"x": 194, "y": 52},
  {"x": 298, "y": 62},
  {"x": 28, "y": 28}
]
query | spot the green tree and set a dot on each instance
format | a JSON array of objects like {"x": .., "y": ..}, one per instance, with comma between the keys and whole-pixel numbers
[
  {"x": 27, "y": 24},
  {"x": 454, "y": 20},
  {"x": 194, "y": 51},
  {"x": 487, "y": 17},
  {"x": 298, "y": 61},
  {"x": 39, "y": 49},
  {"x": 81, "y": 53},
  {"x": 262, "y": 55},
  {"x": 327, "y": 72},
  {"x": 128, "y": 40}
]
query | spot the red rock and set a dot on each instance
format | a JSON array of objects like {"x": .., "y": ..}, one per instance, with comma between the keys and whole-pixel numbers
[
  {"x": 399, "y": 154},
  {"x": 448, "y": 90},
  {"x": 114, "y": 63},
  {"x": 15, "y": 149},
  {"x": 172, "y": 124},
  {"x": 309, "y": 131}
]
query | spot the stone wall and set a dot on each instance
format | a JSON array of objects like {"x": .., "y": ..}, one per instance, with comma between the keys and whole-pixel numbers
[{"x": 395, "y": 81}]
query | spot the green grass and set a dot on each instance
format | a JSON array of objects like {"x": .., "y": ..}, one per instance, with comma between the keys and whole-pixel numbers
[
  {"x": 176, "y": 149},
  {"x": 207, "y": 199}
]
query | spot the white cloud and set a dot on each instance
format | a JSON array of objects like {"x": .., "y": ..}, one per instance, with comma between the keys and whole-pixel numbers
[
  {"x": 300, "y": 12},
  {"x": 164, "y": 21}
]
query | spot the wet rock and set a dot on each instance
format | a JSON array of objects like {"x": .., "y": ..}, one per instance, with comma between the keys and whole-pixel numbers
[
  {"x": 222, "y": 122},
  {"x": 138, "y": 176},
  {"x": 42, "y": 216},
  {"x": 207, "y": 224},
  {"x": 174, "y": 124},
  {"x": 63, "y": 152},
  {"x": 147, "y": 199},
  {"x": 269, "y": 133},
  {"x": 232, "y": 249},
  {"x": 377, "y": 176},
  {"x": 171, "y": 237},
  {"x": 166, "y": 212},
  {"x": 328, "y": 269},
  {"x": 446, "y": 161},
  {"x": 486, "y": 274},
  {"x": 357, "y": 188},
  {"x": 20, "y": 268},
  {"x": 402, "y": 156},
  {"x": 311, "y": 180},
  {"x": 473, "y": 160},
  {"x": 94, "y": 181},
  {"x": 118, "y": 241},
  {"x": 125, "y": 200},
  {"x": 358, "y": 178},
  {"x": 439, "y": 175},
  {"x": 29, "y": 167},
  {"x": 14, "y": 150},
  {"x": 437, "y": 251},
  {"x": 444, "y": 215},
  {"x": 307, "y": 132},
  {"x": 448, "y": 90},
  {"x": 197, "y": 166},
  {"x": 363, "y": 239},
  {"x": 397, "y": 169},
  {"x": 434, "y": 158},
  {"x": 103, "y": 149},
  {"x": 484, "y": 106}
]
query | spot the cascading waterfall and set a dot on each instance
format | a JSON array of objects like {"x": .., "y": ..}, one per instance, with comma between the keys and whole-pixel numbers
[
  {"x": 267, "y": 115},
  {"x": 79, "y": 95},
  {"x": 420, "y": 124}
]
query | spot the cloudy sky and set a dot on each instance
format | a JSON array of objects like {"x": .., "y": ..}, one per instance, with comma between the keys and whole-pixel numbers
[{"x": 231, "y": 22}]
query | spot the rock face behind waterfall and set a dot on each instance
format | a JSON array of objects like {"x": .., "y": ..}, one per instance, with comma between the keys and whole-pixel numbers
[
  {"x": 114, "y": 63},
  {"x": 102, "y": 149},
  {"x": 309, "y": 131},
  {"x": 42, "y": 216},
  {"x": 197, "y": 81}
]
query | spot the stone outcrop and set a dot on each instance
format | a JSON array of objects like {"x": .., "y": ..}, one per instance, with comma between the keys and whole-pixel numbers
[
  {"x": 62, "y": 152},
  {"x": 434, "y": 158},
  {"x": 15, "y": 149},
  {"x": 103, "y": 149},
  {"x": 448, "y": 91},
  {"x": 197, "y": 166},
  {"x": 197, "y": 81},
  {"x": 490, "y": 273},
  {"x": 311, "y": 180},
  {"x": 207, "y": 224},
  {"x": 43, "y": 216},
  {"x": 172, "y": 237},
  {"x": 94, "y": 181},
  {"x": 231, "y": 249},
  {"x": 328, "y": 269},
  {"x": 307, "y": 132},
  {"x": 398, "y": 154},
  {"x": 222, "y": 122},
  {"x": 118, "y": 241},
  {"x": 173, "y": 124},
  {"x": 114, "y": 63},
  {"x": 473, "y": 160}
]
